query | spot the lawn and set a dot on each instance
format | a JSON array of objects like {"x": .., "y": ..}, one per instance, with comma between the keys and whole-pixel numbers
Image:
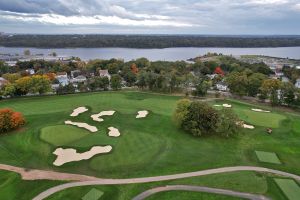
[
  {"x": 147, "y": 147},
  {"x": 267, "y": 157},
  {"x": 289, "y": 187},
  {"x": 93, "y": 194}
]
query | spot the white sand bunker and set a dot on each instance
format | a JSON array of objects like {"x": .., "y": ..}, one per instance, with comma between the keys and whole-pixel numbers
[
  {"x": 248, "y": 126},
  {"x": 242, "y": 124},
  {"x": 260, "y": 110},
  {"x": 70, "y": 155},
  {"x": 142, "y": 114},
  {"x": 83, "y": 125},
  {"x": 113, "y": 132},
  {"x": 78, "y": 111},
  {"x": 97, "y": 117},
  {"x": 224, "y": 105}
]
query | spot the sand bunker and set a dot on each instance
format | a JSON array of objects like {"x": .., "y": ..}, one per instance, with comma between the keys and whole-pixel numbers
[
  {"x": 248, "y": 126},
  {"x": 78, "y": 111},
  {"x": 242, "y": 124},
  {"x": 224, "y": 105},
  {"x": 83, "y": 125},
  {"x": 113, "y": 132},
  {"x": 142, "y": 114},
  {"x": 227, "y": 105},
  {"x": 97, "y": 117},
  {"x": 71, "y": 155},
  {"x": 260, "y": 110}
]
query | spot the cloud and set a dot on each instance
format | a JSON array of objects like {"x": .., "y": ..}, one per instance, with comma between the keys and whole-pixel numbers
[{"x": 154, "y": 16}]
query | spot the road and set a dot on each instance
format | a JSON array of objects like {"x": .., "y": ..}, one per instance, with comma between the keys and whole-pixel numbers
[{"x": 153, "y": 191}]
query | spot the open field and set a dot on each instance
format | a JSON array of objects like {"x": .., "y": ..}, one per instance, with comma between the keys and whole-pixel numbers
[{"x": 149, "y": 146}]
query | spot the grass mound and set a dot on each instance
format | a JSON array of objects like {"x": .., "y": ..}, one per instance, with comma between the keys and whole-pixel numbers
[
  {"x": 271, "y": 120},
  {"x": 62, "y": 135},
  {"x": 267, "y": 157},
  {"x": 289, "y": 187}
]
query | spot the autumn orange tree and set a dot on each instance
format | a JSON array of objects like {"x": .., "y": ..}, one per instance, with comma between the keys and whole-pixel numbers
[{"x": 10, "y": 120}]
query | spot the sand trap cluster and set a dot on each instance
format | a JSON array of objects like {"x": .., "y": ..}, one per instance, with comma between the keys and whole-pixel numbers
[
  {"x": 260, "y": 110},
  {"x": 142, "y": 114},
  {"x": 224, "y": 105},
  {"x": 97, "y": 117},
  {"x": 83, "y": 125},
  {"x": 113, "y": 132},
  {"x": 78, "y": 111},
  {"x": 71, "y": 155}
]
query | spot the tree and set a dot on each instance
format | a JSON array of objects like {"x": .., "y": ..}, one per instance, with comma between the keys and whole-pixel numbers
[
  {"x": 201, "y": 88},
  {"x": 201, "y": 119},
  {"x": 8, "y": 90},
  {"x": 255, "y": 81},
  {"x": 181, "y": 111},
  {"x": 237, "y": 83},
  {"x": 134, "y": 69},
  {"x": 219, "y": 71},
  {"x": 27, "y": 52},
  {"x": 40, "y": 84},
  {"x": 10, "y": 120},
  {"x": 227, "y": 125},
  {"x": 12, "y": 77},
  {"x": 23, "y": 85},
  {"x": 115, "y": 82},
  {"x": 67, "y": 89},
  {"x": 288, "y": 93},
  {"x": 270, "y": 87}
]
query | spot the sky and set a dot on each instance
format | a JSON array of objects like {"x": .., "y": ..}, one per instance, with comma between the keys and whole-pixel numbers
[{"x": 217, "y": 17}]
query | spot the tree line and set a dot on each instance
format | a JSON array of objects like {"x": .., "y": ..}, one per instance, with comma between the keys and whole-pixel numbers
[{"x": 146, "y": 41}]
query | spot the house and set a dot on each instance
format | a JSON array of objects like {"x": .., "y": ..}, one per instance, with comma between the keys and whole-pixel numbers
[
  {"x": 211, "y": 76},
  {"x": 3, "y": 82},
  {"x": 30, "y": 71},
  {"x": 297, "y": 84},
  {"x": 221, "y": 86},
  {"x": 75, "y": 73},
  {"x": 62, "y": 78},
  {"x": 285, "y": 79},
  {"x": 78, "y": 79},
  {"x": 104, "y": 73},
  {"x": 11, "y": 63}
]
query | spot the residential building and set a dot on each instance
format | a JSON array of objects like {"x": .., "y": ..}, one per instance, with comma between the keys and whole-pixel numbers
[
  {"x": 297, "y": 84},
  {"x": 221, "y": 86},
  {"x": 62, "y": 78},
  {"x": 104, "y": 73}
]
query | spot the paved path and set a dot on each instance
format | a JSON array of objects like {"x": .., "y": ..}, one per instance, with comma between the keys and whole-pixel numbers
[
  {"x": 150, "y": 192},
  {"x": 90, "y": 180}
]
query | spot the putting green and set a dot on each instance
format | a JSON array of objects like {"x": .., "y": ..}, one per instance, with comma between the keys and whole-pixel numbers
[
  {"x": 267, "y": 157},
  {"x": 62, "y": 135},
  {"x": 289, "y": 187},
  {"x": 271, "y": 120},
  {"x": 93, "y": 194}
]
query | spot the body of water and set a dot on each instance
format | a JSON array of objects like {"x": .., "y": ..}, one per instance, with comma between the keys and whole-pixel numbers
[{"x": 168, "y": 54}]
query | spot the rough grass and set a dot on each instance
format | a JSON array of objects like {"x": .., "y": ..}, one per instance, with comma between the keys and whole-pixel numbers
[
  {"x": 268, "y": 157},
  {"x": 289, "y": 187},
  {"x": 62, "y": 134}
]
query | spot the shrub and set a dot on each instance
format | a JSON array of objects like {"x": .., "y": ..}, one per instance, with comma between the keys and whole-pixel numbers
[{"x": 10, "y": 120}]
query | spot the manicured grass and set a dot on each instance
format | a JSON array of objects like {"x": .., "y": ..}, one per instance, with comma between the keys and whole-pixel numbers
[
  {"x": 13, "y": 188},
  {"x": 271, "y": 120},
  {"x": 93, "y": 194},
  {"x": 62, "y": 134},
  {"x": 268, "y": 157},
  {"x": 147, "y": 147},
  {"x": 289, "y": 187}
]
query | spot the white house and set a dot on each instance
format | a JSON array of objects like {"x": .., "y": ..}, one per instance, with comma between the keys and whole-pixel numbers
[
  {"x": 78, "y": 79},
  {"x": 62, "y": 78},
  {"x": 30, "y": 71},
  {"x": 104, "y": 73},
  {"x": 297, "y": 84},
  {"x": 221, "y": 86}
]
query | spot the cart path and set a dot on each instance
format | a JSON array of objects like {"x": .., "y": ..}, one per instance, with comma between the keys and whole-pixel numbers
[
  {"x": 90, "y": 180},
  {"x": 243, "y": 195}
]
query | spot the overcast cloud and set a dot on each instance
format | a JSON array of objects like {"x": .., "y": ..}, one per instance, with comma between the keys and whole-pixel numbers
[{"x": 151, "y": 16}]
